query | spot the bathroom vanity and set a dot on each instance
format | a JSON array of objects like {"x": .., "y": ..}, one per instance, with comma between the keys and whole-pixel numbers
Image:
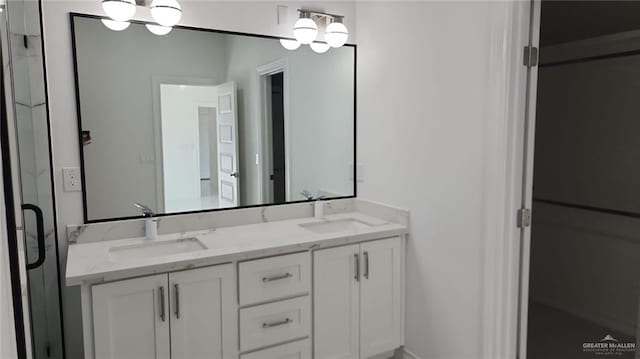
[
  {"x": 219, "y": 271},
  {"x": 302, "y": 287}
]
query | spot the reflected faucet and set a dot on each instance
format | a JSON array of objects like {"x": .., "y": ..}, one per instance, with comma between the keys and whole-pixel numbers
[
  {"x": 150, "y": 223},
  {"x": 309, "y": 196}
]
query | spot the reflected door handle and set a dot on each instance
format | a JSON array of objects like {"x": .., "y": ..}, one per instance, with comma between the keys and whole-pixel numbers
[
  {"x": 234, "y": 174},
  {"x": 39, "y": 236}
]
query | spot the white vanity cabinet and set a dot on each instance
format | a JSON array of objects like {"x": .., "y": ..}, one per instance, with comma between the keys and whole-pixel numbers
[
  {"x": 186, "y": 314},
  {"x": 358, "y": 299}
]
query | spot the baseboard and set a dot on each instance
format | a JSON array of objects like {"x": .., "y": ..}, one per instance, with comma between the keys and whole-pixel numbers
[{"x": 408, "y": 354}]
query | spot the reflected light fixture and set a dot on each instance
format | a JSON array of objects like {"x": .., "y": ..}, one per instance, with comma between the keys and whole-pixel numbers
[
  {"x": 115, "y": 25},
  {"x": 290, "y": 44},
  {"x": 166, "y": 12},
  {"x": 336, "y": 34},
  {"x": 305, "y": 29},
  {"x": 158, "y": 29},
  {"x": 319, "y": 47},
  {"x": 119, "y": 10}
]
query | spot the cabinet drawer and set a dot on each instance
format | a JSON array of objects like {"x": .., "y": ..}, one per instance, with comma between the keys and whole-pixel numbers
[
  {"x": 273, "y": 278},
  {"x": 296, "y": 350},
  {"x": 274, "y": 323}
]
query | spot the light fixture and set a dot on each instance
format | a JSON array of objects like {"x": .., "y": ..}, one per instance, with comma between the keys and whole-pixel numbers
[
  {"x": 119, "y": 10},
  {"x": 336, "y": 34},
  {"x": 319, "y": 47},
  {"x": 115, "y": 25},
  {"x": 166, "y": 12},
  {"x": 305, "y": 29},
  {"x": 290, "y": 44},
  {"x": 158, "y": 29}
]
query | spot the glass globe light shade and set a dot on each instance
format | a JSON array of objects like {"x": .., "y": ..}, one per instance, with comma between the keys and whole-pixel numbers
[
  {"x": 289, "y": 44},
  {"x": 336, "y": 34},
  {"x": 319, "y": 47},
  {"x": 166, "y": 12},
  {"x": 158, "y": 29},
  {"x": 305, "y": 31},
  {"x": 115, "y": 25},
  {"x": 119, "y": 10}
]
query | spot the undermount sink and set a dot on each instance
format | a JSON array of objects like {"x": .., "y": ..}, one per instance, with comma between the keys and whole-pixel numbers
[
  {"x": 156, "y": 248},
  {"x": 337, "y": 225}
]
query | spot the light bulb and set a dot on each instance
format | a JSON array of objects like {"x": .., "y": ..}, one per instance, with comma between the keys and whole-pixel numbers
[
  {"x": 336, "y": 34},
  {"x": 305, "y": 31},
  {"x": 319, "y": 47},
  {"x": 119, "y": 10},
  {"x": 158, "y": 29},
  {"x": 115, "y": 25},
  {"x": 166, "y": 12},
  {"x": 289, "y": 44}
]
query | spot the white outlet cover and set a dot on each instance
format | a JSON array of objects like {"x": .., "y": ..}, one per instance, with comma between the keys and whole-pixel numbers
[{"x": 72, "y": 181}]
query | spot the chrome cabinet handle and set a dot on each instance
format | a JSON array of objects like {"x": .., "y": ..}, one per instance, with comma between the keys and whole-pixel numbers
[
  {"x": 366, "y": 264},
  {"x": 276, "y": 324},
  {"x": 161, "y": 303},
  {"x": 357, "y": 264},
  {"x": 177, "y": 310},
  {"x": 276, "y": 277}
]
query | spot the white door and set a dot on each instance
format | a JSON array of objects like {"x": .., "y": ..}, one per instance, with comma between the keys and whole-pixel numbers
[
  {"x": 227, "y": 149},
  {"x": 336, "y": 302},
  {"x": 380, "y": 296},
  {"x": 131, "y": 318},
  {"x": 203, "y": 313}
]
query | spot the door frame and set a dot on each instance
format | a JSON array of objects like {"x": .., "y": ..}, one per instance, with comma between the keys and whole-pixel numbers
[
  {"x": 508, "y": 179},
  {"x": 264, "y": 71},
  {"x": 156, "y": 82}
]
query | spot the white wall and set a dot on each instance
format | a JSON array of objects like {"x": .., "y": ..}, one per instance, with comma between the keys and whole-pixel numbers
[
  {"x": 244, "y": 16},
  {"x": 433, "y": 136}
]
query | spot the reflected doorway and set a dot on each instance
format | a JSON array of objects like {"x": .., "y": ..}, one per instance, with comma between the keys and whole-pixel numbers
[{"x": 277, "y": 175}]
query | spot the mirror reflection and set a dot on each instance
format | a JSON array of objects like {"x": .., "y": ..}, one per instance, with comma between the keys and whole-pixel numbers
[{"x": 199, "y": 119}]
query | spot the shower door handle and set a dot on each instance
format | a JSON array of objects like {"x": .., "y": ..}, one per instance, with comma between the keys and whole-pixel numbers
[{"x": 39, "y": 234}]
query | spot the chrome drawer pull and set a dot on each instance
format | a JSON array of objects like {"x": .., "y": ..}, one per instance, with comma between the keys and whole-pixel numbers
[
  {"x": 277, "y": 277},
  {"x": 277, "y": 324}
]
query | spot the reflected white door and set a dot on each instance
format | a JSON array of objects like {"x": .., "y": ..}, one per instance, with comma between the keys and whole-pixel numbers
[{"x": 227, "y": 121}]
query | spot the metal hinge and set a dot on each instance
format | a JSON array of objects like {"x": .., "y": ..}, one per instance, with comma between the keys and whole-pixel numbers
[
  {"x": 524, "y": 217},
  {"x": 530, "y": 56}
]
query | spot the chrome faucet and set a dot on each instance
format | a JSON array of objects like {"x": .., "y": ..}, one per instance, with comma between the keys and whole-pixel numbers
[
  {"x": 150, "y": 223},
  {"x": 318, "y": 203}
]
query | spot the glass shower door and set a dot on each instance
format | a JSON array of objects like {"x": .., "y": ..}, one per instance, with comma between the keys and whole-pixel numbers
[{"x": 23, "y": 35}]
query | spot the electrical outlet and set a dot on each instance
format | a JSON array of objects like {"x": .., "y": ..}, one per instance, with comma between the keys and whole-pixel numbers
[{"x": 71, "y": 178}]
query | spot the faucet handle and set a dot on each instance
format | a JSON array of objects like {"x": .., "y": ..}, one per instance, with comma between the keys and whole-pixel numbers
[{"x": 146, "y": 211}]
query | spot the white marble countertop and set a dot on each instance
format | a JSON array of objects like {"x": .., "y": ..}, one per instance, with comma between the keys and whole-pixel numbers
[{"x": 92, "y": 262}]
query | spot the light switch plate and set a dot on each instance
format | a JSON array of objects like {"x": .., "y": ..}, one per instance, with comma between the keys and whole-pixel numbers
[
  {"x": 71, "y": 179},
  {"x": 282, "y": 15}
]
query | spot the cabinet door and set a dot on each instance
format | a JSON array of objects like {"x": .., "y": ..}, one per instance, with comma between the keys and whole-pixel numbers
[
  {"x": 336, "y": 302},
  {"x": 204, "y": 313},
  {"x": 380, "y": 296},
  {"x": 131, "y": 318}
]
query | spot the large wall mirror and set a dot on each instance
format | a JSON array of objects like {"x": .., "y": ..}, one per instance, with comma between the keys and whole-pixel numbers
[{"x": 199, "y": 120}]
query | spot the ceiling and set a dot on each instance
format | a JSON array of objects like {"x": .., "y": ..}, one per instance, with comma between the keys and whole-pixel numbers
[{"x": 564, "y": 21}]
